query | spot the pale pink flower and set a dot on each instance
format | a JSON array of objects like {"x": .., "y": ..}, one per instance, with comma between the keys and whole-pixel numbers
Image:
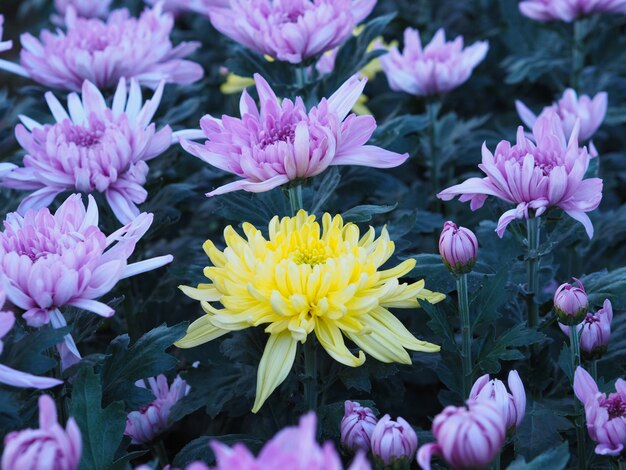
[
  {"x": 571, "y": 303},
  {"x": 357, "y": 426},
  {"x": 290, "y": 30},
  {"x": 606, "y": 416},
  {"x": 535, "y": 176},
  {"x": 512, "y": 405},
  {"x": 393, "y": 441},
  {"x": 282, "y": 141},
  {"x": 14, "y": 377},
  {"x": 48, "y": 448},
  {"x": 152, "y": 419},
  {"x": 438, "y": 68},
  {"x": 293, "y": 448},
  {"x": 84, "y": 8},
  {"x": 594, "y": 331},
  {"x": 466, "y": 437},
  {"x": 91, "y": 149},
  {"x": 568, "y": 10},
  {"x": 182, "y": 6},
  {"x": 50, "y": 261},
  {"x": 103, "y": 52},
  {"x": 570, "y": 108}
]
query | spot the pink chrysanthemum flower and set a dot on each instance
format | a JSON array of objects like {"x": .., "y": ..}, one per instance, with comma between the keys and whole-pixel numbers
[
  {"x": 282, "y": 141},
  {"x": 568, "y": 10},
  {"x": 14, "y": 377},
  {"x": 151, "y": 420},
  {"x": 84, "y": 8},
  {"x": 438, "y": 68},
  {"x": 293, "y": 448},
  {"x": 605, "y": 415},
  {"x": 48, "y": 447},
  {"x": 50, "y": 261},
  {"x": 93, "y": 148},
  {"x": 535, "y": 176},
  {"x": 570, "y": 108},
  {"x": 290, "y": 30},
  {"x": 104, "y": 52},
  {"x": 197, "y": 6}
]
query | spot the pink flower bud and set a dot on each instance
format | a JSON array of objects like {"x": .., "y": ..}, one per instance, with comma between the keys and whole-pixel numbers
[
  {"x": 48, "y": 447},
  {"x": 357, "y": 426},
  {"x": 151, "y": 420},
  {"x": 571, "y": 303},
  {"x": 594, "y": 331},
  {"x": 466, "y": 437},
  {"x": 393, "y": 441},
  {"x": 511, "y": 405},
  {"x": 458, "y": 248}
]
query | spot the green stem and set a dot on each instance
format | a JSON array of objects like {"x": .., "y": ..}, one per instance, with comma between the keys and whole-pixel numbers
[
  {"x": 295, "y": 198},
  {"x": 496, "y": 462},
  {"x": 466, "y": 334},
  {"x": 310, "y": 374},
  {"x": 593, "y": 370},
  {"x": 532, "y": 270},
  {"x": 578, "y": 55},
  {"x": 432, "y": 108},
  {"x": 574, "y": 342},
  {"x": 621, "y": 464},
  {"x": 158, "y": 449}
]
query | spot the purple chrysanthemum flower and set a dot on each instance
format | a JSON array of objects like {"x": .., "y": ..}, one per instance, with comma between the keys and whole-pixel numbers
[
  {"x": 47, "y": 447},
  {"x": 11, "y": 376},
  {"x": 293, "y": 448},
  {"x": 151, "y": 420},
  {"x": 438, "y": 68},
  {"x": 570, "y": 108},
  {"x": 197, "y": 6},
  {"x": 103, "y": 52},
  {"x": 568, "y": 10},
  {"x": 93, "y": 148},
  {"x": 50, "y": 261},
  {"x": 84, "y": 8},
  {"x": 283, "y": 141},
  {"x": 605, "y": 415},
  {"x": 290, "y": 30},
  {"x": 535, "y": 176}
]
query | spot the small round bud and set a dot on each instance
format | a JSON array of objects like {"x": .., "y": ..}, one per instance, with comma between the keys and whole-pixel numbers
[
  {"x": 393, "y": 442},
  {"x": 458, "y": 248},
  {"x": 571, "y": 303},
  {"x": 357, "y": 427}
]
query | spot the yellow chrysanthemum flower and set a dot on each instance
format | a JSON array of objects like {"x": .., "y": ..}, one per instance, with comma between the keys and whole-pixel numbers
[{"x": 306, "y": 279}]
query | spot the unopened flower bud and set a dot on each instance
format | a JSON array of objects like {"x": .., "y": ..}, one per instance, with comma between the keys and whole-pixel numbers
[
  {"x": 357, "y": 426},
  {"x": 594, "y": 332},
  {"x": 512, "y": 404},
  {"x": 571, "y": 303},
  {"x": 393, "y": 442},
  {"x": 458, "y": 248}
]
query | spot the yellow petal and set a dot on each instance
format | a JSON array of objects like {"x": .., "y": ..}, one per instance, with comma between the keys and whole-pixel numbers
[
  {"x": 209, "y": 294},
  {"x": 388, "y": 325},
  {"x": 381, "y": 347},
  {"x": 199, "y": 332},
  {"x": 331, "y": 339},
  {"x": 274, "y": 367}
]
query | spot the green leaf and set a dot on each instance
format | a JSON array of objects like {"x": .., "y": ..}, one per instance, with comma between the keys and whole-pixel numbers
[
  {"x": 366, "y": 213},
  {"x": 554, "y": 459},
  {"x": 540, "y": 430},
  {"x": 122, "y": 462},
  {"x": 146, "y": 358},
  {"x": 102, "y": 429},
  {"x": 492, "y": 296},
  {"x": 494, "y": 349}
]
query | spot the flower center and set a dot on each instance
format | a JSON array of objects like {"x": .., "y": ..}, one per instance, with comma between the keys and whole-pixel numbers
[
  {"x": 314, "y": 253},
  {"x": 284, "y": 133},
  {"x": 591, "y": 319},
  {"x": 615, "y": 405},
  {"x": 84, "y": 137}
]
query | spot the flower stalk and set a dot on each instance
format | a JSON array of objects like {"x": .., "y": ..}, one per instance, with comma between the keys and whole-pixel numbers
[
  {"x": 580, "y": 432},
  {"x": 158, "y": 450},
  {"x": 295, "y": 198},
  {"x": 532, "y": 270},
  {"x": 466, "y": 333},
  {"x": 432, "y": 108},
  {"x": 578, "y": 54}
]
